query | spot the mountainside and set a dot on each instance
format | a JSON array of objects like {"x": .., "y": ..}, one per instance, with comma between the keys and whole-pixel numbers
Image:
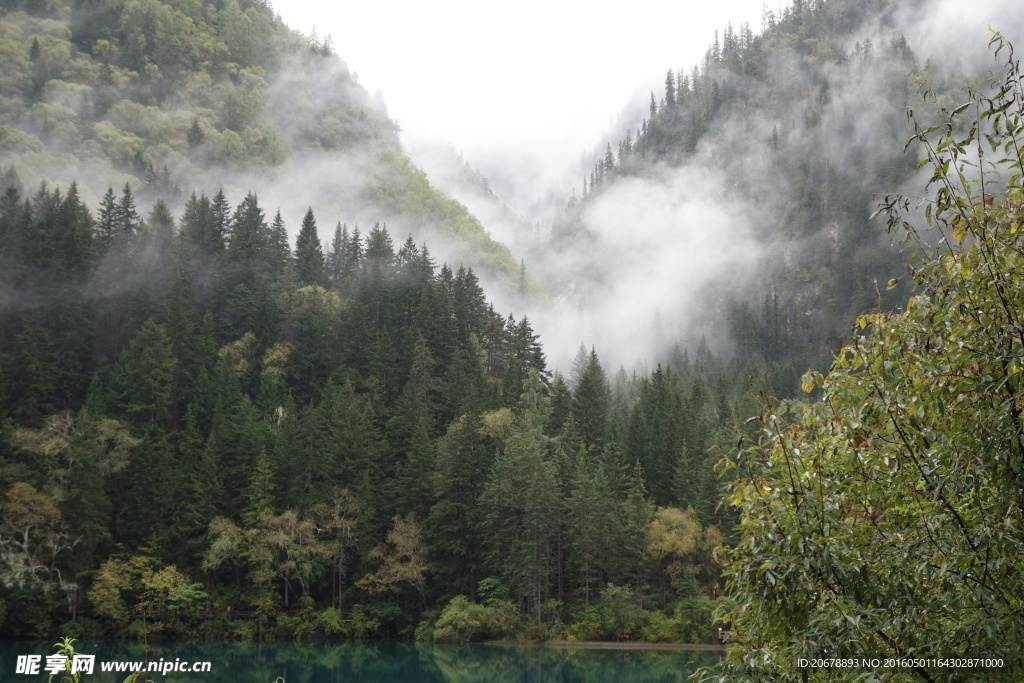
[
  {"x": 178, "y": 96},
  {"x": 738, "y": 210}
]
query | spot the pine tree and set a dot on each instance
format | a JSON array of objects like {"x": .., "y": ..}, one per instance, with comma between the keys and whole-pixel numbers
[
  {"x": 196, "y": 492},
  {"x": 591, "y": 402},
  {"x": 259, "y": 495},
  {"x": 413, "y": 423},
  {"x": 309, "y": 254},
  {"x": 127, "y": 220},
  {"x": 561, "y": 405},
  {"x": 336, "y": 258},
  {"x": 354, "y": 441},
  {"x": 636, "y": 516},
  {"x": 221, "y": 225},
  {"x": 195, "y": 135},
  {"x": 106, "y": 217},
  {"x": 353, "y": 256},
  {"x": 455, "y": 522},
  {"x": 160, "y": 225},
  {"x": 278, "y": 250},
  {"x": 142, "y": 383},
  {"x": 32, "y": 373},
  {"x": 521, "y": 503},
  {"x": 591, "y": 524},
  {"x": 248, "y": 233},
  {"x": 74, "y": 248},
  {"x": 197, "y": 224}
]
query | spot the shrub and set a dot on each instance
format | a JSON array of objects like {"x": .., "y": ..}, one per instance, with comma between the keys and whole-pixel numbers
[{"x": 462, "y": 621}]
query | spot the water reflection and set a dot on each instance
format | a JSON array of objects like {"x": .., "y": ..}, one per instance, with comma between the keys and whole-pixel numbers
[{"x": 374, "y": 662}]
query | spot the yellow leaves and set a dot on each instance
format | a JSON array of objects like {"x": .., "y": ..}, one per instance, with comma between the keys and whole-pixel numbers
[
  {"x": 105, "y": 594},
  {"x": 116, "y": 445},
  {"x": 403, "y": 558},
  {"x": 137, "y": 581},
  {"x": 50, "y": 441},
  {"x": 811, "y": 380},
  {"x": 239, "y": 354},
  {"x": 275, "y": 360},
  {"x": 748, "y": 490},
  {"x": 499, "y": 425},
  {"x": 309, "y": 303},
  {"x": 677, "y": 535},
  {"x": 673, "y": 531},
  {"x": 28, "y": 514},
  {"x": 225, "y": 543}
]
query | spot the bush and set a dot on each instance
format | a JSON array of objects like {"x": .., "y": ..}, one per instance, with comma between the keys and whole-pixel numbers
[
  {"x": 886, "y": 518},
  {"x": 660, "y": 629},
  {"x": 462, "y": 621},
  {"x": 84, "y": 629},
  {"x": 588, "y": 625},
  {"x": 622, "y": 614},
  {"x": 695, "y": 619}
]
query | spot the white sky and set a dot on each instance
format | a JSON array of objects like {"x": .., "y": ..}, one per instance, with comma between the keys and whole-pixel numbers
[{"x": 533, "y": 81}]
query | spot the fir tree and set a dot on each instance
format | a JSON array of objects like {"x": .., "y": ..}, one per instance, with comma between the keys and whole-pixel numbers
[
  {"x": 309, "y": 254},
  {"x": 278, "y": 251}
]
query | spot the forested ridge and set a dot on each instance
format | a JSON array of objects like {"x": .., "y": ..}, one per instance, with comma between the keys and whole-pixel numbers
[
  {"x": 176, "y": 96},
  {"x": 199, "y": 418},
  {"x": 802, "y": 124}
]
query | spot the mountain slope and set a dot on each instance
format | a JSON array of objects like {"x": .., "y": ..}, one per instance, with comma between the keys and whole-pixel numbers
[
  {"x": 738, "y": 210},
  {"x": 181, "y": 95}
]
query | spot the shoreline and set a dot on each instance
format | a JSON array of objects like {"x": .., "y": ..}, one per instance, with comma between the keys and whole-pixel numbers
[{"x": 604, "y": 645}]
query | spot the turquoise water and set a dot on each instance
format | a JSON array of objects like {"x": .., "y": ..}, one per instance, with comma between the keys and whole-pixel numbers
[{"x": 374, "y": 662}]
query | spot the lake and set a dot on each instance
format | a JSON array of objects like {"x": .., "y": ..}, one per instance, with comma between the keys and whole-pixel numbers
[{"x": 373, "y": 662}]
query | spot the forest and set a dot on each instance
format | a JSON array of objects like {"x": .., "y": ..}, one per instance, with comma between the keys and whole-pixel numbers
[
  {"x": 199, "y": 418},
  {"x": 216, "y": 424}
]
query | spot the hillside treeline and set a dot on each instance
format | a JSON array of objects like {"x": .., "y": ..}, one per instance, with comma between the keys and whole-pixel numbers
[{"x": 201, "y": 420}]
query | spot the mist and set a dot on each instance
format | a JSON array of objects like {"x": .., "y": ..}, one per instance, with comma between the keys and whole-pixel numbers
[{"x": 654, "y": 253}]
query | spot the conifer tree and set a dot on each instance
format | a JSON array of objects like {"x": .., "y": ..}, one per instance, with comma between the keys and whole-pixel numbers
[
  {"x": 561, "y": 405},
  {"x": 454, "y": 524},
  {"x": 591, "y": 402},
  {"x": 197, "y": 492},
  {"x": 309, "y": 253},
  {"x": 260, "y": 493},
  {"x": 221, "y": 220},
  {"x": 160, "y": 233},
  {"x": 591, "y": 523},
  {"x": 195, "y": 135},
  {"x": 32, "y": 373},
  {"x": 336, "y": 257},
  {"x": 143, "y": 379},
  {"x": 74, "y": 248},
  {"x": 248, "y": 232},
  {"x": 522, "y": 502},
  {"x": 278, "y": 252},
  {"x": 197, "y": 224},
  {"x": 127, "y": 220}
]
